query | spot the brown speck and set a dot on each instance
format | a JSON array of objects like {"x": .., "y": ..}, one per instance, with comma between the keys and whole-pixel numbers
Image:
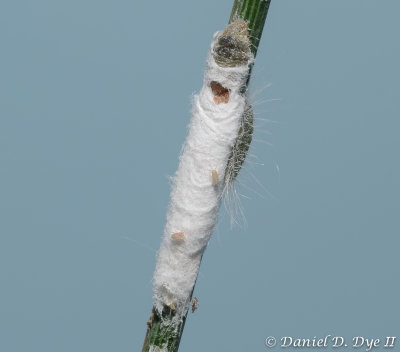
[
  {"x": 215, "y": 178},
  {"x": 221, "y": 94},
  {"x": 178, "y": 236}
]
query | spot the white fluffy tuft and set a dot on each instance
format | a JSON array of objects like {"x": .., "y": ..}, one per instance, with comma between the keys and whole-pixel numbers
[{"x": 195, "y": 198}]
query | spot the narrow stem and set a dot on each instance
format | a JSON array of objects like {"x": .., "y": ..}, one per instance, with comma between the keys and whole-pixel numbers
[
  {"x": 162, "y": 335},
  {"x": 254, "y": 12},
  {"x": 165, "y": 336}
]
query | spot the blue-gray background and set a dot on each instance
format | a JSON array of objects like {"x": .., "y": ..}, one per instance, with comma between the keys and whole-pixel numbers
[{"x": 94, "y": 104}]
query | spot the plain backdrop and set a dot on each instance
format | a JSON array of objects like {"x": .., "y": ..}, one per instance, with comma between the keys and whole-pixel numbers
[{"x": 94, "y": 105}]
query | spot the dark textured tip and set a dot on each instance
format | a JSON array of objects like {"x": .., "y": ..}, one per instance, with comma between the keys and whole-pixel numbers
[{"x": 232, "y": 47}]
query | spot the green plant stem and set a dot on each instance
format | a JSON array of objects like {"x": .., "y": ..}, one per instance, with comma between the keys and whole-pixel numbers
[
  {"x": 254, "y": 12},
  {"x": 161, "y": 335}
]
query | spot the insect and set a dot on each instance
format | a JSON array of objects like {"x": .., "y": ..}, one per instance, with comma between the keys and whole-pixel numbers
[{"x": 195, "y": 304}]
